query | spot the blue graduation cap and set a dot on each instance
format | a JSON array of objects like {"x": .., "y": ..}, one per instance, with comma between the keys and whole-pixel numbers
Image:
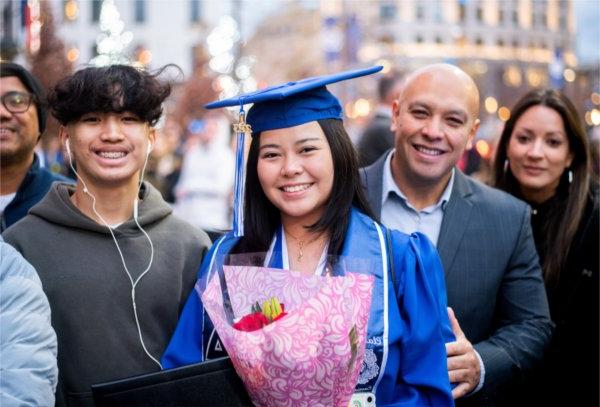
[{"x": 281, "y": 106}]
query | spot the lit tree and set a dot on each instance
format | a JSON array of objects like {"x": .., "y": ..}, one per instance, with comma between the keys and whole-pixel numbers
[
  {"x": 113, "y": 41},
  {"x": 234, "y": 72},
  {"x": 218, "y": 72}
]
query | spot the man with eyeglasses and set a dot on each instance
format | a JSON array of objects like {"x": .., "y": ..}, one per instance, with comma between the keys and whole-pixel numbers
[{"x": 23, "y": 182}]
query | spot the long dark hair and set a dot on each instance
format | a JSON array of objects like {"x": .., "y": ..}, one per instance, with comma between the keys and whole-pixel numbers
[
  {"x": 561, "y": 227},
  {"x": 262, "y": 218}
]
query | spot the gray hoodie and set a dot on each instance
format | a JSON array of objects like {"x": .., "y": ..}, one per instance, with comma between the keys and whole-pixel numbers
[{"x": 90, "y": 293}]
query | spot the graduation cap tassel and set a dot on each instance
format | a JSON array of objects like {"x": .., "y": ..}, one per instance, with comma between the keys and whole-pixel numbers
[{"x": 240, "y": 128}]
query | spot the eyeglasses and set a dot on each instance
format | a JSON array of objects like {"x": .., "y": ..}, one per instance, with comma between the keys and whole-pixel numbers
[{"x": 16, "y": 102}]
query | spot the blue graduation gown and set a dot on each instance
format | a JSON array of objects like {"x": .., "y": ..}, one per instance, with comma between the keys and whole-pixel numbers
[{"x": 405, "y": 360}]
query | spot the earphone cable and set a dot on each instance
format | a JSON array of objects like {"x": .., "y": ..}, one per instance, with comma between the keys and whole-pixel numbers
[{"x": 147, "y": 269}]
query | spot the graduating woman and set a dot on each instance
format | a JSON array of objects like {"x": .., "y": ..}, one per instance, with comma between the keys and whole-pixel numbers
[
  {"x": 303, "y": 204},
  {"x": 543, "y": 157}
]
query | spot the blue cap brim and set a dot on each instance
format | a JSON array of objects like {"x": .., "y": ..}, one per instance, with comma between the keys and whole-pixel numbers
[{"x": 291, "y": 88}]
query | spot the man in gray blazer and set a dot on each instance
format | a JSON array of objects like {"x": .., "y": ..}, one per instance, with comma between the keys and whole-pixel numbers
[{"x": 493, "y": 278}]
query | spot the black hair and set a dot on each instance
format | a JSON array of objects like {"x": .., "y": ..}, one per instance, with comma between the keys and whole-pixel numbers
[
  {"x": 562, "y": 226},
  {"x": 114, "y": 88},
  {"x": 32, "y": 84},
  {"x": 262, "y": 218}
]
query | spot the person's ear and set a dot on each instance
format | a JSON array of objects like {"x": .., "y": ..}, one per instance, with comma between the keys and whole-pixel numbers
[
  {"x": 151, "y": 140},
  {"x": 472, "y": 133},
  {"x": 570, "y": 159},
  {"x": 395, "y": 115},
  {"x": 63, "y": 135}
]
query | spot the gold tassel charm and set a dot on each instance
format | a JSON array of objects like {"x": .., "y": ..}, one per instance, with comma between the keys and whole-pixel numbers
[{"x": 241, "y": 126}]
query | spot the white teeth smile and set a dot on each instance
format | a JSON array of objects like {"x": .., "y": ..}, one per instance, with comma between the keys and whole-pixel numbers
[
  {"x": 296, "y": 188},
  {"x": 111, "y": 154},
  {"x": 428, "y": 151}
]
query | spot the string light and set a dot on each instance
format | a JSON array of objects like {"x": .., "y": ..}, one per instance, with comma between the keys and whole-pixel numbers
[
  {"x": 483, "y": 148},
  {"x": 595, "y": 117},
  {"x": 569, "y": 75},
  {"x": 504, "y": 113},
  {"x": 71, "y": 10},
  {"x": 362, "y": 107},
  {"x": 73, "y": 54},
  {"x": 235, "y": 76},
  {"x": 144, "y": 57},
  {"x": 491, "y": 104},
  {"x": 113, "y": 40}
]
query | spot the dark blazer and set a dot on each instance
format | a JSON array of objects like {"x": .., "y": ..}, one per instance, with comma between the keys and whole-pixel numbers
[{"x": 493, "y": 277}]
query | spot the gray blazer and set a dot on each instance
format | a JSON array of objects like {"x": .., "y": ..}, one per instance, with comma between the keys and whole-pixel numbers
[{"x": 493, "y": 277}]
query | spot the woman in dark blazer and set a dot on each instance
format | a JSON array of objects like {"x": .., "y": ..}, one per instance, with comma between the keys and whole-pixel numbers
[{"x": 543, "y": 157}]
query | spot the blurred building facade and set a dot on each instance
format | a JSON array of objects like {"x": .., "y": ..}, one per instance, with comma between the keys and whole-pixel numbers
[
  {"x": 161, "y": 32},
  {"x": 288, "y": 47},
  {"x": 507, "y": 46}
]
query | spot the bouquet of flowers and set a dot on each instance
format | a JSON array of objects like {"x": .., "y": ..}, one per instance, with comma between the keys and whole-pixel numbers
[{"x": 298, "y": 340}]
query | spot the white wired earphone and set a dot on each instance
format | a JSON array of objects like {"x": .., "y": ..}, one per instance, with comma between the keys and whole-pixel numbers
[{"x": 110, "y": 229}]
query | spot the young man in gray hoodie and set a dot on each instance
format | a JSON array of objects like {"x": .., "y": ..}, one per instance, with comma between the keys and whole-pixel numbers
[{"x": 115, "y": 264}]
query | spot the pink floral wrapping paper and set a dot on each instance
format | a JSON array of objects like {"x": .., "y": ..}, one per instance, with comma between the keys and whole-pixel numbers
[{"x": 305, "y": 358}]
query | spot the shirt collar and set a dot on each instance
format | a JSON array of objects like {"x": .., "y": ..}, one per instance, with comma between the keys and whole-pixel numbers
[{"x": 390, "y": 186}]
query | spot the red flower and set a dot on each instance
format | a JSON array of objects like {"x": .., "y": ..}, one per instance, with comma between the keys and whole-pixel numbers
[{"x": 251, "y": 322}]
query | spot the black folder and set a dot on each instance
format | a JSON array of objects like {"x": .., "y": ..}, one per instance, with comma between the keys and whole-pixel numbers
[{"x": 210, "y": 383}]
